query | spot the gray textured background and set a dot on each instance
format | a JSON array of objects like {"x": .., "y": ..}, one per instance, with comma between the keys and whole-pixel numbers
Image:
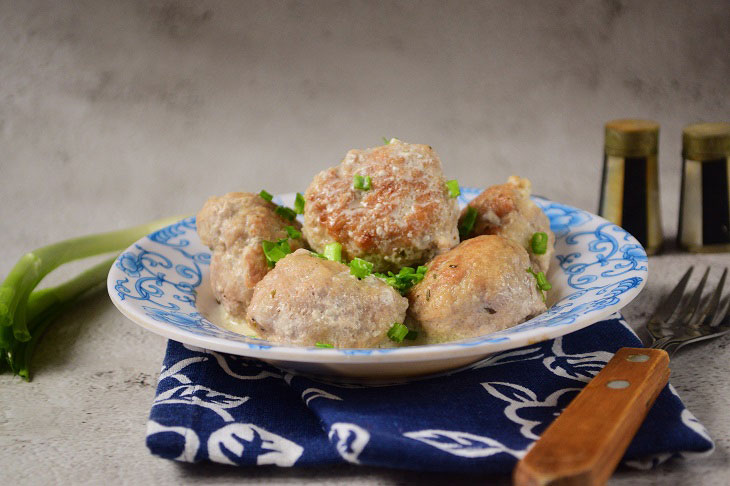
[{"x": 115, "y": 113}]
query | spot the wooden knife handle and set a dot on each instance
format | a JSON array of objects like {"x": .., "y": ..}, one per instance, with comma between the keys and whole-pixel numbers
[{"x": 585, "y": 443}]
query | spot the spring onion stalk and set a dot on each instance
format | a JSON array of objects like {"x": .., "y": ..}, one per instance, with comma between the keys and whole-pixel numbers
[
  {"x": 324, "y": 345},
  {"x": 46, "y": 305},
  {"x": 35, "y": 265},
  {"x": 25, "y": 314}
]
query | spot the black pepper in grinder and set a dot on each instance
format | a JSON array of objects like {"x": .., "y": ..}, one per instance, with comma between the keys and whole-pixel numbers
[{"x": 630, "y": 183}]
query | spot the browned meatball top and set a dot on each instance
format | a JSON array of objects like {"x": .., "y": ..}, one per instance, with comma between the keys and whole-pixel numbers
[{"x": 405, "y": 218}]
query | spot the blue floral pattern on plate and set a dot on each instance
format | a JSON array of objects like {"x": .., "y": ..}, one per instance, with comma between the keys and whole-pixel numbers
[{"x": 597, "y": 269}]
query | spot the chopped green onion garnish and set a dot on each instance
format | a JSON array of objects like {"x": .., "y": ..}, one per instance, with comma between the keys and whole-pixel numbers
[
  {"x": 467, "y": 223},
  {"x": 293, "y": 232},
  {"x": 275, "y": 251},
  {"x": 360, "y": 268},
  {"x": 397, "y": 332},
  {"x": 406, "y": 278},
  {"x": 285, "y": 212},
  {"x": 542, "y": 284},
  {"x": 453, "y": 187},
  {"x": 361, "y": 182},
  {"x": 324, "y": 345},
  {"x": 539, "y": 243},
  {"x": 387, "y": 140},
  {"x": 299, "y": 204},
  {"x": 266, "y": 196},
  {"x": 333, "y": 251}
]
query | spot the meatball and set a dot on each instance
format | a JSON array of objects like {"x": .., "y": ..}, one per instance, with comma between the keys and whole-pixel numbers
[
  {"x": 481, "y": 286},
  {"x": 233, "y": 227},
  {"x": 508, "y": 211},
  {"x": 404, "y": 218},
  {"x": 305, "y": 300}
]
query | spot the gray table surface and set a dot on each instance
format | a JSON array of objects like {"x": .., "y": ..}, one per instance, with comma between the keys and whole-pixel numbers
[{"x": 115, "y": 113}]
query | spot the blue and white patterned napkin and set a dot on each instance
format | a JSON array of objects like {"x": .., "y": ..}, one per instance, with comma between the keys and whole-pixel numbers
[{"x": 232, "y": 410}]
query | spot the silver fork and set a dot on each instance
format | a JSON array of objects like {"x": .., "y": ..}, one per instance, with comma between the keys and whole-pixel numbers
[{"x": 695, "y": 320}]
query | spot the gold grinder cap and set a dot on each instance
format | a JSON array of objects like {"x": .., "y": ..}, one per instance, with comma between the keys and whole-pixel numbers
[
  {"x": 631, "y": 138},
  {"x": 706, "y": 141}
]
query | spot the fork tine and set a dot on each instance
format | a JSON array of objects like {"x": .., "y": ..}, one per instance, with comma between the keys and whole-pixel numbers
[
  {"x": 721, "y": 327},
  {"x": 707, "y": 315},
  {"x": 694, "y": 302},
  {"x": 724, "y": 322},
  {"x": 665, "y": 310}
]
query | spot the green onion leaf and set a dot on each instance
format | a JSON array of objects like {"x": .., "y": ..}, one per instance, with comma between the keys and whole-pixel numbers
[
  {"x": 453, "y": 187},
  {"x": 358, "y": 181},
  {"x": 333, "y": 251},
  {"x": 324, "y": 345},
  {"x": 266, "y": 196},
  {"x": 360, "y": 268},
  {"x": 406, "y": 278},
  {"x": 362, "y": 183},
  {"x": 284, "y": 245},
  {"x": 285, "y": 212},
  {"x": 542, "y": 284},
  {"x": 539, "y": 243},
  {"x": 275, "y": 251},
  {"x": 293, "y": 232},
  {"x": 466, "y": 226},
  {"x": 397, "y": 332},
  {"x": 299, "y": 204}
]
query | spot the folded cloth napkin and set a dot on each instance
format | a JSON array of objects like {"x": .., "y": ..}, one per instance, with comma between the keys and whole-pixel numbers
[{"x": 233, "y": 410}]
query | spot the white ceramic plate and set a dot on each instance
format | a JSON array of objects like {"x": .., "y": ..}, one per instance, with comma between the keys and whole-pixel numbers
[{"x": 161, "y": 283}]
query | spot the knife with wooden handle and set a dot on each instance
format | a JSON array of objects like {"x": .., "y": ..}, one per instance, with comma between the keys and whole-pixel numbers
[{"x": 586, "y": 442}]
